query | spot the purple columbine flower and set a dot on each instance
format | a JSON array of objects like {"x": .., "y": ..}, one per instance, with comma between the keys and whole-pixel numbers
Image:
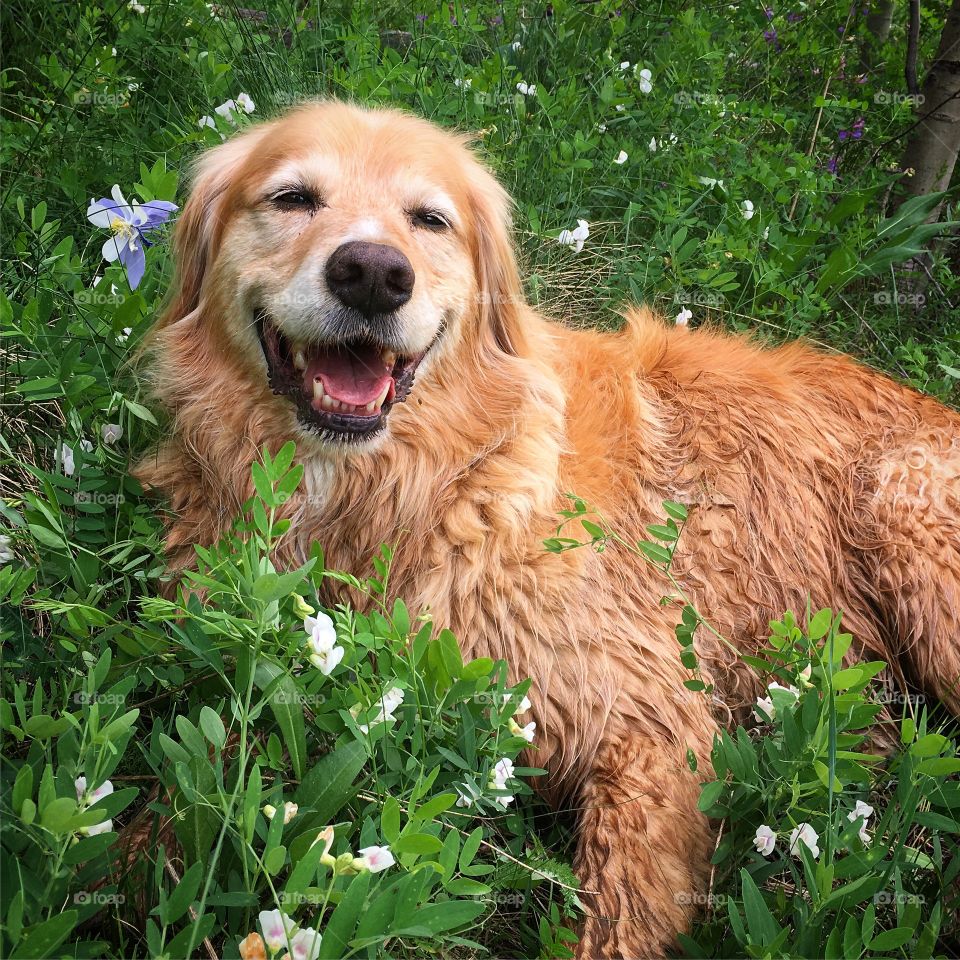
[{"x": 128, "y": 223}]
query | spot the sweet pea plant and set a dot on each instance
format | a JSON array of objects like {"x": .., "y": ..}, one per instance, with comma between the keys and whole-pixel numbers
[
  {"x": 729, "y": 164},
  {"x": 318, "y": 790},
  {"x": 826, "y": 846}
]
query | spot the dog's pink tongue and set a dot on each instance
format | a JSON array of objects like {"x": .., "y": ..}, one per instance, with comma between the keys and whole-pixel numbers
[{"x": 355, "y": 376}]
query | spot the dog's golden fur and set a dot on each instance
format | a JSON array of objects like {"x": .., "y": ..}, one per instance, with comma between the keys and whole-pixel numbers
[{"x": 808, "y": 477}]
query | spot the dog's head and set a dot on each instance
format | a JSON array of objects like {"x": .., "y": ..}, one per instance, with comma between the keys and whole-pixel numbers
[{"x": 342, "y": 253}]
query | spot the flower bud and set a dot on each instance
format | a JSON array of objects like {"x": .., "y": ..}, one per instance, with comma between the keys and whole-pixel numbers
[{"x": 301, "y": 608}]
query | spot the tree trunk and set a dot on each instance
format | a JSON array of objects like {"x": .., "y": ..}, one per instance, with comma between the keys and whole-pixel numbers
[
  {"x": 879, "y": 21},
  {"x": 931, "y": 152}
]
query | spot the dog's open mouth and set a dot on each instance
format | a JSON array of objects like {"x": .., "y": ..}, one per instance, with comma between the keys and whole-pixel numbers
[{"x": 341, "y": 390}]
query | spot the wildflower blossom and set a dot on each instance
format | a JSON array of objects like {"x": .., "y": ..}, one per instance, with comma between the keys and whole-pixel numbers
[
  {"x": 527, "y": 732},
  {"x": 621, "y": 157},
  {"x": 389, "y": 702},
  {"x": 746, "y": 208},
  {"x": 625, "y": 65},
  {"x": 575, "y": 238},
  {"x": 765, "y": 840},
  {"x": 465, "y": 84},
  {"x": 244, "y": 102},
  {"x": 87, "y": 798},
  {"x": 652, "y": 145},
  {"x": 305, "y": 944},
  {"x": 110, "y": 433},
  {"x": 6, "y": 554},
  {"x": 374, "y": 859},
  {"x": 711, "y": 182},
  {"x": 276, "y": 927},
  {"x": 252, "y": 947},
  {"x": 528, "y": 90},
  {"x": 683, "y": 317},
  {"x": 128, "y": 222},
  {"x": 136, "y": 7},
  {"x": 516, "y": 46},
  {"x": 806, "y": 835},
  {"x": 325, "y": 655},
  {"x": 207, "y": 121},
  {"x": 645, "y": 81}
]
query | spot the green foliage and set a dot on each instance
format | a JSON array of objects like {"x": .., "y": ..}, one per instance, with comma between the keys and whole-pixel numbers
[{"x": 202, "y": 711}]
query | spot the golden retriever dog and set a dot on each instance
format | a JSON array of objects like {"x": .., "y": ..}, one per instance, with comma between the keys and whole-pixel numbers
[{"x": 346, "y": 279}]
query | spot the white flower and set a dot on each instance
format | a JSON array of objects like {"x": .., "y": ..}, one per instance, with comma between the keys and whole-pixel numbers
[
  {"x": 652, "y": 145},
  {"x": 322, "y": 634},
  {"x": 766, "y": 233},
  {"x": 269, "y": 811},
  {"x": 66, "y": 460},
  {"x": 504, "y": 801},
  {"x": 804, "y": 675},
  {"x": 576, "y": 237},
  {"x": 244, "y": 102},
  {"x": 746, "y": 208},
  {"x": 327, "y": 662},
  {"x": 622, "y": 157},
  {"x": 86, "y": 446},
  {"x": 524, "y": 705},
  {"x": 619, "y": 107},
  {"x": 806, "y": 835},
  {"x": 515, "y": 46},
  {"x": 110, "y": 433},
  {"x": 137, "y": 7},
  {"x": 528, "y": 90},
  {"x": 125, "y": 336},
  {"x": 860, "y": 810},
  {"x": 389, "y": 702},
  {"x": 673, "y": 139},
  {"x": 626, "y": 65},
  {"x": 645, "y": 81},
  {"x": 601, "y": 128},
  {"x": 711, "y": 182},
  {"x": 305, "y": 944},
  {"x": 105, "y": 827},
  {"x": 465, "y": 795},
  {"x": 6, "y": 554},
  {"x": 376, "y": 859},
  {"x": 87, "y": 798},
  {"x": 226, "y": 110},
  {"x": 465, "y": 84},
  {"x": 207, "y": 121},
  {"x": 765, "y": 840},
  {"x": 683, "y": 317},
  {"x": 276, "y": 927},
  {"x": 864, "y": 835},
  {"x": 289, "y": 811},
  {"x": 765, "y": 710},
  {"x": 502, "y": 772},
  {"x": 526, "y": 732}
]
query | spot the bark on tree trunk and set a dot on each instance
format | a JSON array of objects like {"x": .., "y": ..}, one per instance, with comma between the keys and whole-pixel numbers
[
  {"x": 931, "y": 151},
  {"x": 879, "y": 21}
]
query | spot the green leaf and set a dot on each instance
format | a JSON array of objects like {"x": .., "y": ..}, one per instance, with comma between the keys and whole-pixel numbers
[
  {"x": 343, "y": 921},
  {"x": 328, "y": 785},
  {"x": 419, "y": 843},
  {"x": 761, "y": 924},
  {"x": 182, "y": 895},
  {"x": 437, "y": 917},
  {"x": 42, "y": 940},
  {"x": 286, "y": 707},
  {"x": 891, "y": 939},
  {"x": 212, "y": 727}
]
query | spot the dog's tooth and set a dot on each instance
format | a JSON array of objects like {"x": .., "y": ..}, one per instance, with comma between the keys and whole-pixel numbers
[
  {"x": 328, "y": 403},
  {"x": 318, "y": 393},
  {"x": 383, "y": 396},
  {"x": 371, "y": 406},
  {"x": 300, "y": 360},
  {"x": 389, "y": 358}
]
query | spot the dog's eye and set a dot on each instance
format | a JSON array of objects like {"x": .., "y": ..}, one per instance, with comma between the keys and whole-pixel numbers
[
  {"x": 430, "y": 218},
  {"x": 295, "y": 200}
]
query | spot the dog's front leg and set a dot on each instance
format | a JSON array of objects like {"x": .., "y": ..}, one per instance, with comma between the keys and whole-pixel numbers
[{"x": 643, "y": 850}]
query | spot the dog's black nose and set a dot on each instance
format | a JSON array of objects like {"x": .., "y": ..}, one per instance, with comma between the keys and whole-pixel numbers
[{"x": 371, "y": 277}]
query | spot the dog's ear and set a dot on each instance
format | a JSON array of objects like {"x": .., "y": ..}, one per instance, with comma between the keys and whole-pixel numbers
[
  {"x": 500, "y": 292},
  {"x": 200, "y": 226}
]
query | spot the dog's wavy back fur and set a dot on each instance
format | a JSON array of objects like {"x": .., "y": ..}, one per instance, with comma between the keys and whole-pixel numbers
[{"x": 811, "y": 480}]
